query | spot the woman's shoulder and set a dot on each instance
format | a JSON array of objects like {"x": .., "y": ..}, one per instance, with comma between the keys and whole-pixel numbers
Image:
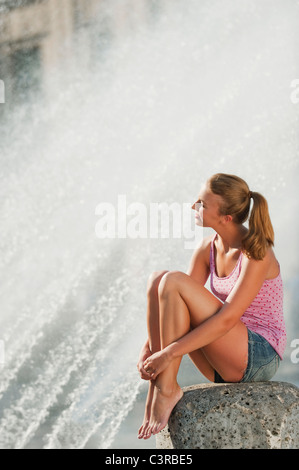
[
  {"x": 203, "y": 248},
  {"x": 206, "y": 243},
  {"x": 273, "y": 264},
  {"x": 199, "y": 265},
  {"x": 269, "y": 264}
]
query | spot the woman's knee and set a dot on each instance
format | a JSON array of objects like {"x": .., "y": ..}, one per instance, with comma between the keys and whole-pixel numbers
[
  {"x": 154, "y": 281},
  {"x": 169, "y": 282}
]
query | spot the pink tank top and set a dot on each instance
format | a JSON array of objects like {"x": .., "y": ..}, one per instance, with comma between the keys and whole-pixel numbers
[{"x": 265, "y": 314}]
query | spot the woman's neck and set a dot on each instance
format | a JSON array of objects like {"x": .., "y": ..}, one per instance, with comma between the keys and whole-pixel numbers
[{"x": 231, "y": 236}]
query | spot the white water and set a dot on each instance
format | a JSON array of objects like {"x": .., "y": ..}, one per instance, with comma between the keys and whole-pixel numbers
[{"x": 204, "y": 88}]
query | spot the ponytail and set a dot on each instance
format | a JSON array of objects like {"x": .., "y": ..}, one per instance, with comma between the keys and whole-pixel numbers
[
  {"x": 260, "y": 235},
  {"x": 236, "y": 197}
]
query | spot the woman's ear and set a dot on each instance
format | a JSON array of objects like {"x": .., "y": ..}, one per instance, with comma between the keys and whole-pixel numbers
[{"x": 227, "y": 219}]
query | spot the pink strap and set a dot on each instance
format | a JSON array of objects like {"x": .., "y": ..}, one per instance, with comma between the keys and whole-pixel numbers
[{"x": 212, "y": 257}]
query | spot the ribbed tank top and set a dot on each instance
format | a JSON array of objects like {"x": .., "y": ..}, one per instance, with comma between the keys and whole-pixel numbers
[{"x": 265, "y": 314}]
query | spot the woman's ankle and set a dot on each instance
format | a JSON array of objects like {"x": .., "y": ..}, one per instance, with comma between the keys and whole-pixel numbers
[{"x": 166, "y": 387}]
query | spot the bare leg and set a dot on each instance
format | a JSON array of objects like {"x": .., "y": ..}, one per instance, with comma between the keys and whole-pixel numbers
[
  {"x": 153, "y": 328},
  {"x": 167, "y": 391},
  {"x": 184, "y": 303}
]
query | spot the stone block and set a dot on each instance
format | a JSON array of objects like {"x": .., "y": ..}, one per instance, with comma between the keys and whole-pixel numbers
[{"x": 256, "y": 415}]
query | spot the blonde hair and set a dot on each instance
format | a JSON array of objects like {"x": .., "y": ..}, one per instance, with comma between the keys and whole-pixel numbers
[{"x": 236, "y": 202}]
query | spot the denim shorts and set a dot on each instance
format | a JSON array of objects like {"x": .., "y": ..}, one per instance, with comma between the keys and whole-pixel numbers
[{"x": 263, "y": 360}]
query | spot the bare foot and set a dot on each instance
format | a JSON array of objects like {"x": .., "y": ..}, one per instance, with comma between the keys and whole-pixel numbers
[
  {"x": 162, "y": 405},
  {"x": 143, "y": 432}
]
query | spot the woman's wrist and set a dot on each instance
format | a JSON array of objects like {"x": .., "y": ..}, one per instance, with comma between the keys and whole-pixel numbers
[{"x": 170, "y": 350}]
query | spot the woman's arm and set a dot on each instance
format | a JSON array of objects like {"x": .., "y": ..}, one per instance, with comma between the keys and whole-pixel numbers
[
  {"x": 252, "y": 276},
  {"x": 199, "y": 266}
]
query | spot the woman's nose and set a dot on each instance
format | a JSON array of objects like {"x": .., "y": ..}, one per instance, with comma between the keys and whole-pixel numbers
[{"x": 196, "y": 205}]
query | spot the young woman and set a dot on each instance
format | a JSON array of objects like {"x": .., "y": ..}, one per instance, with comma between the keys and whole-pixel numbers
[{"x": 236, "y": 333}]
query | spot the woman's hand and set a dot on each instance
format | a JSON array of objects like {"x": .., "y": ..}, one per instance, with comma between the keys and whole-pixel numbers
[
  {"x": 156, "y": 363},
  {"x": 144, "y": 354}
]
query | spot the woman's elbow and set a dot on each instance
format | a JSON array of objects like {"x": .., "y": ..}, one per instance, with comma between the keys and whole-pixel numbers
[{"x": 229, "y": 322}]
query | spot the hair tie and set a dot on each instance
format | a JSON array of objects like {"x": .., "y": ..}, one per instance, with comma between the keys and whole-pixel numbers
[{"x": 250, "y": 194}]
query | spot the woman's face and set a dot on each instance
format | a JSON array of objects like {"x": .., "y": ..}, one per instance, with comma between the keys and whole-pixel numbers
[{"x": 207, "y": 208}]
